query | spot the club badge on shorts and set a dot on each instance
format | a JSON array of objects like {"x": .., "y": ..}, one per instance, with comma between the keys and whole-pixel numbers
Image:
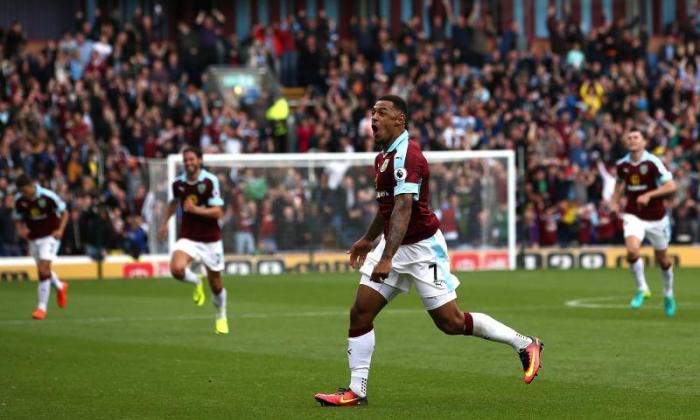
[{"x": 400, "y": 174}]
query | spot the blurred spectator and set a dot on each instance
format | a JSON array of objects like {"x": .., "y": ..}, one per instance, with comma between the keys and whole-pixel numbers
[{"x": 136, "y": 237}]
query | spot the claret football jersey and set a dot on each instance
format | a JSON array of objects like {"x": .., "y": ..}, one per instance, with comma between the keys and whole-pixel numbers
[
  {"x": 402, "y": 169},
  {"x": 204, "y": 191},
  {"x": 639, "y": 178},
  {"x": 40, "y": 213}
]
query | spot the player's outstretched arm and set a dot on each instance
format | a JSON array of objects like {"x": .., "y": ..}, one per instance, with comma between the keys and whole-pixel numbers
[{"x": 172, "y": 207}]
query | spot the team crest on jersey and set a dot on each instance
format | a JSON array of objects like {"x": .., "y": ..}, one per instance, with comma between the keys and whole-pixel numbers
[
  {"x": 400, "y": 174},
  {"x": 643, "y": 169},
  {"x": 201, "y": 188},
  {"x": 385, "y": 165},
  {"x": 42, "y": 203}
]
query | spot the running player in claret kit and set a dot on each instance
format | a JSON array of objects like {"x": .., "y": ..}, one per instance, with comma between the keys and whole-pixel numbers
[
  {"x": 197, "y": 193},
  {"x": 645, "y": 182},
  {"x": 412, "y": 250},
  {"x": 41, "y": 217}
]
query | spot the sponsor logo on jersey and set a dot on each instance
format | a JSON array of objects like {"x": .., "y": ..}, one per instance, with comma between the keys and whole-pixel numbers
[
  {"x": 381, "y": 194},
  {"x": 385, "y": 165},
  {"x": 34, "y": 212},
  {"x": 634, "y": 180},
  {"x": 400, "y": 174},
  {"x": 192, "y": 198}
]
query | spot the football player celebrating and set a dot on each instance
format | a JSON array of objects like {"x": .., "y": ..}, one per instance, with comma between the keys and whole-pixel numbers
[
  {"x": 41, "y": 217},
  {"x": 196, "y": 192},
  {"x": 412, "y": 251},
  {"x": 645, "y": 182}
]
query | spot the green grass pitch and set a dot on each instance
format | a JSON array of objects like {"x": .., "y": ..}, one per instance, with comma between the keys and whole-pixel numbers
[{"x": 140, "y": 349}]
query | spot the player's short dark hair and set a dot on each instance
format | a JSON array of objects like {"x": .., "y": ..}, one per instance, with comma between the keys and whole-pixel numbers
[
  {"x": 22, "y": 181},
  {"x": 193, "y": 149},
  {"x": 399, "y": 103}
]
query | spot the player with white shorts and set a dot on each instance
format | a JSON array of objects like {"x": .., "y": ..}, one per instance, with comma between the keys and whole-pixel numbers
[
  {"x": 210, "y": 254},
  {"x": 40, "y": 217},
  {"x": 44, "y": 249},
  {"x": 657, "y": 232},
  {"x": 196, "y": 193},
  {"x": 645, "y": 182},
  {"x": 423, "y": 264},
  {"x": 411, "y": 251}
]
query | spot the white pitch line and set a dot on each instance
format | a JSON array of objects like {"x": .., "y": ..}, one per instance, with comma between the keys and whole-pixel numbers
[
  {"x": 592, "y": 303},
  {"x": 249, "y": 315}
]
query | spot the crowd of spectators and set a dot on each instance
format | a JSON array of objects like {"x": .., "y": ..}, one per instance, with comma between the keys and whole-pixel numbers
[{"x": 83, "y": 114}]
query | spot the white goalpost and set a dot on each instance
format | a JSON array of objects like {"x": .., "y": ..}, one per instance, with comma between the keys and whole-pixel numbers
[{"x": 331, "y": 197}]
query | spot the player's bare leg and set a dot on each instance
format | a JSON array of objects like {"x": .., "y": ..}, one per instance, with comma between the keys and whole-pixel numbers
[
  {"x": 219, "y": 296},
  {"x": 450, "y": 319},
  {"x": 666, "y": 266},
  {"x": 633, "y": 244},
  {"x": 180, "y": 269},
  {"x": 368, "y": 303}
]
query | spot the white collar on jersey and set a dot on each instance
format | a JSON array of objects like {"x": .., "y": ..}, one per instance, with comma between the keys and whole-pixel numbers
[
  {"x": 401, "y": 138},
  {"x": 645, "y": 156},
  {"x": 202, "y": 175}
]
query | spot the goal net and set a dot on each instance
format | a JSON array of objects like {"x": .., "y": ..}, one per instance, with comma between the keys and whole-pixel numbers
[{"x": 300, "y": 212}]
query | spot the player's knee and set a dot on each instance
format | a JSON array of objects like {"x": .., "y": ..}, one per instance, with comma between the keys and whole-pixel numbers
[
  {"x": 632, "y": 255},
  {"x": 44, "y": 273},
  {"x": 663, "y": 260},
  {"x": 360, "y": 316}
]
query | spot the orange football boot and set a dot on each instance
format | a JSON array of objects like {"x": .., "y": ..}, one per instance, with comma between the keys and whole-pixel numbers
[
  {"x": 531, "y": 358},
  {"x": 343, "y": 397},
  {"x": 39, "y": 314}
]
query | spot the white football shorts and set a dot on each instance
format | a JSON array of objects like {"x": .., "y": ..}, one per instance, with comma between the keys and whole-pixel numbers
[
  {"x": 211, "y": 254},
  {"x": 425, "y": 264},
  {"x": 44, "y": 249},
  {"x": 658, "y": 232}
]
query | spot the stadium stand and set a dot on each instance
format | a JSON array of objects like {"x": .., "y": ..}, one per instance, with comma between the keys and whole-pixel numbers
[{"x": 83, "y": 113}]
